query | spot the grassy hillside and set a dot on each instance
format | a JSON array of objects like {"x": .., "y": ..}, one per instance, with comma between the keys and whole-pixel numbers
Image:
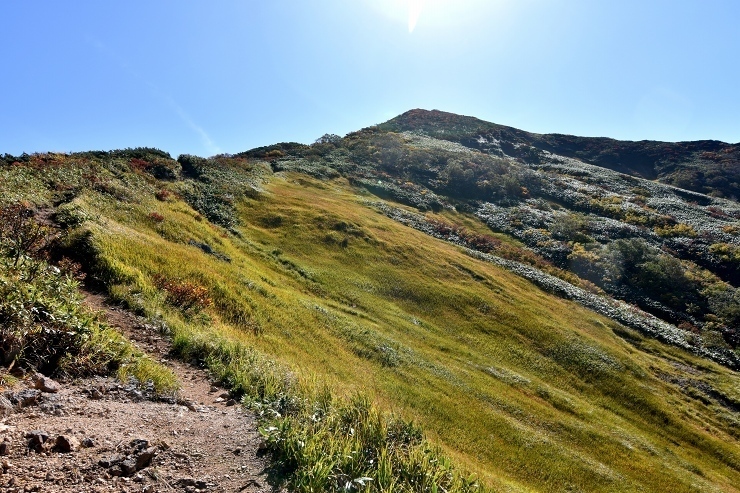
[{"x": 299, "y": 293}]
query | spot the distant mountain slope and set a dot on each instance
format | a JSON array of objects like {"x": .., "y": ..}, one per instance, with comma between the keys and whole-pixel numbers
[
  {"x": 706, "y": 166},
  {"x": 672, "y": 252}
]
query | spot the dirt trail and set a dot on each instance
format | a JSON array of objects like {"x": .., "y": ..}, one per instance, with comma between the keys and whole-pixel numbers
[{"x": 99, "y": 435}]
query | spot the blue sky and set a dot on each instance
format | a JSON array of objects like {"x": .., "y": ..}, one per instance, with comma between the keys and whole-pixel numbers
[{"x": 225, "y": 76}]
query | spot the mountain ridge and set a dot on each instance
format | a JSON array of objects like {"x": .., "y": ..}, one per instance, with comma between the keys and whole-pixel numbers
[{"x": 674, "y": 163}]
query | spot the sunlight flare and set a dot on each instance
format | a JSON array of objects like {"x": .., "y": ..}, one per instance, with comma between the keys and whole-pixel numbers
[{"x": 415, "y": 8}]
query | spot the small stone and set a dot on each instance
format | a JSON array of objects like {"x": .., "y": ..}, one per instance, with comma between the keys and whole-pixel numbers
[
  {"x": 6, "y": 464},
  {"x": 189, "y": 404},
  {"x": 36, "y": 439},
  {"x": 26, "y": 398},
  {"x": 110, "y": 461},
  {"x": 213, "y": 389},
  {"x": 128, "y": 467},
  {"x": 66, "y": 444},
  {"x": 225, "y": 395},
  {"x": 139, "y": 444},
  {"x": 230, "y": 402},
  {"x": 46, "y": 384},
  {"x": 145, "y": 458},
  {"x": 6, "y": 407},
  {"x": 186, "y": 482},
  {"x": 88, "y": 442}
]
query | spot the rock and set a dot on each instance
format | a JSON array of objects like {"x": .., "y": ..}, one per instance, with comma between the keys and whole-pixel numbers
[
  {"x": 189, "y": 404},
  {"x": 136, "y": 395},
  {"x": 95, "y": 394},
  {"x": 225, "y": 395},
  {"x": 6, "y": 407},
  {"x": 26, "y": 398},
  {"x": 139, "y": 444},
  {"x": 110, "y": 461},
  {"x": 88, "y": 442},
  {"x": 37, "y": 439},
  {"x": 230, "y": 402},
  {"x": 66, "y": 444},
  {"x": 46, "y": 384},
  {"x": 4, "y": 448},
  {"x": 185, "y": 482},
  {"x": 145, "y": 458},
  {"x": 128, "y": 467}
]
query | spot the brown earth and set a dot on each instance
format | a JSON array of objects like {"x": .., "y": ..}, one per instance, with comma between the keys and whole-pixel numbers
[{"x": 102, "y": 435}]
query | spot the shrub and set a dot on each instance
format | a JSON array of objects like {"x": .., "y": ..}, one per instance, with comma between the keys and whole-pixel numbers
[
  {"x": 185, "y": 295},
  {"x": 726, "y": 252},
  {"x": 20, "y": 235},
  {"x": 139, "y": 164},
  {"x": 69, "y": 216},
  {"x": 676, "y": 231},
  {"x": 162, "y": 195},
  {"x": 275, "y": 153},
  {"x": 156, "y": 217}
]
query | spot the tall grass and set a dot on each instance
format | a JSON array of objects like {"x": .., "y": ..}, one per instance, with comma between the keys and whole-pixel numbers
[{"x": 320, "y": 442}]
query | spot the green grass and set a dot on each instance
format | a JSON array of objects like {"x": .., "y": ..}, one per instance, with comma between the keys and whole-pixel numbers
[{"x": 528, "y": 391}]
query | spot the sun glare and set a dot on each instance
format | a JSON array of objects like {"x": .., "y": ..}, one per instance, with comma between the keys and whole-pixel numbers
[
  {"x": 433, "y": 13},
  {"x": 415, "y": 8}
]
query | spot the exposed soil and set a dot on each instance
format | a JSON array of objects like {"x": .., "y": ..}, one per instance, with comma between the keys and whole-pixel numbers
[{"x": 101, "y": 435}]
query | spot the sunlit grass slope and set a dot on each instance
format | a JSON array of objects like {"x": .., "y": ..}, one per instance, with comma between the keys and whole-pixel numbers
[{"x": 531, "y": 392}]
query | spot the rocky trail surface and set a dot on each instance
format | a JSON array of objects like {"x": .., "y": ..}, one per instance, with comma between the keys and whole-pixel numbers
[{"x": 101, "y": 435}]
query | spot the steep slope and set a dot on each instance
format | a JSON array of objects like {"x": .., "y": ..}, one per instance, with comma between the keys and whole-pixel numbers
[
  {"x": 708, "y": 166},
  {"x": 253, "y": 270},
  {"x": 671, "y": 252}
]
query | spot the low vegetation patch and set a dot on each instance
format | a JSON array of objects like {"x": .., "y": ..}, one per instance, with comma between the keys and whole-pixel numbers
[
  {"x": 44, "y": 325},
  {"x": 321, "y": 442}
]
